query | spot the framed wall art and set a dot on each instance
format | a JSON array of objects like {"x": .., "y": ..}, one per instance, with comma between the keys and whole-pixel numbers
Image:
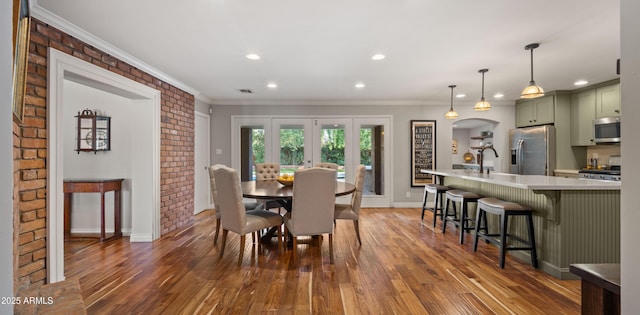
[
  {"x": 21, "y": 25},
  {"x": 423, "y": 151}
]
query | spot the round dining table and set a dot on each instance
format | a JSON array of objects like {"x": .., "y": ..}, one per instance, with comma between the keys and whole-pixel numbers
[{"x": 273, "y": 190}]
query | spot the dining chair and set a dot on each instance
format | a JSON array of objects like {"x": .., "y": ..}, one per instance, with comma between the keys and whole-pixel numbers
[
  {"x": 351, "y": 211},
  {"x": 248, "y": 206},
  {"x": 234, "y": 216},
  {"x": 330, "y": 165},
  {"x": 312, "y": 207},
  {"x": 268, "y": 171}
]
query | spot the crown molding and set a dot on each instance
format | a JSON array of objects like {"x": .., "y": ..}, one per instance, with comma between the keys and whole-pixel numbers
[{"x": 58, "y": 22}]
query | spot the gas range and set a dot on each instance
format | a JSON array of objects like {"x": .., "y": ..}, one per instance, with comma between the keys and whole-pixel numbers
[{"x": 608, "y": 175}]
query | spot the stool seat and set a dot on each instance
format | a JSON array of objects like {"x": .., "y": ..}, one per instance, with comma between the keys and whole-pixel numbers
[
  {"x": 457, "y": 194},
  {"x": 505, "y": 209},
  {"x": 463, "y": 197},
  {"x": 501, "y": 205},
  {"x": 437, "y": 190}
]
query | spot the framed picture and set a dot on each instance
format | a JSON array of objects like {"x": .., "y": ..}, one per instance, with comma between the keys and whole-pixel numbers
[
  {"x": 423, "y": 151},
  {"x": 21, "y": 25}
]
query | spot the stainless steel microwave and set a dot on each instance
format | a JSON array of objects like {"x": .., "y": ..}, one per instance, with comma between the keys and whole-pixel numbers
[{"x": 606, "y": 130}]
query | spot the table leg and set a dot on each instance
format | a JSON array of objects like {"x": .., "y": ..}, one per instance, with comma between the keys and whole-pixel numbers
[
  {"x": 102, "y": 234},
  {"x": 117, "y": 208},
  {"x": 67, "y": 216}
]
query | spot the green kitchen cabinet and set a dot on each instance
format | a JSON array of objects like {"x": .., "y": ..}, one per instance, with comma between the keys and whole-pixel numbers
[
  {"x": 537, "y": 111},
  {"x": 583, "y": 112},
  {"x": 608, "y": 101}
]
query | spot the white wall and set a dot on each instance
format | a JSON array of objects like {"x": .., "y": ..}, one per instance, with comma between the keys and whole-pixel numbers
[
  {"x": 630, "y": 214},
  {"x": 108, "y": 164},
  {"x": 6, "y": 156},
  {"x": 462, "y": 136},
  {"x": 401, "y": 115}
]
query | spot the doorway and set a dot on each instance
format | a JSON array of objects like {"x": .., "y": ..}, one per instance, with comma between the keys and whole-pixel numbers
[
  {"x": 301, "y": 142},
  {"x": 202, "y": 192},
  {"x": 144, "y": 165}
]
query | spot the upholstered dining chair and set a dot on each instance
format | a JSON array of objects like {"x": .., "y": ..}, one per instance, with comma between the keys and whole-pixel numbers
[
  {"x": 234, "y": 216},
  {"x": 330, "y": 165},
  {"x": 351, "y": 211},
  {"x": 248, "y": 206},
  {"x": 268, "y": 171},
  {"x": 313, "y": 205}
]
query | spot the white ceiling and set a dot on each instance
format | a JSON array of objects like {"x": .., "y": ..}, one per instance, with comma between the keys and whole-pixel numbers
[{"x": 317, "y": 50}]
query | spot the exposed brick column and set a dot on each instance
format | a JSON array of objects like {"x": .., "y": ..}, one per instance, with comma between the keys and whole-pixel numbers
[{"x": 30, "y": 149}]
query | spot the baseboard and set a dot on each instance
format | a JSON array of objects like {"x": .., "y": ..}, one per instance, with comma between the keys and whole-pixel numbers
[{"x": 140, "y": 238}]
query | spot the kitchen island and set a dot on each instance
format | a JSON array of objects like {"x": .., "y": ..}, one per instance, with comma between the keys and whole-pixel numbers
[{"x": 575, "y": 220}]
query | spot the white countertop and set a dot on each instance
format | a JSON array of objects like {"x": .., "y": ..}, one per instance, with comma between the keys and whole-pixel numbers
[{"x": 533, "y": 182}]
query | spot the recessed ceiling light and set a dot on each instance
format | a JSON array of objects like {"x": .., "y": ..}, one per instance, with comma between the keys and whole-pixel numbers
[
  {"x": 580, "y": 82},
  {"x": 272, "y": 85},
  {"x": 460, "y": 95},
  {"x": 498, "y": 95},
  {"x": 359, "y": 85},
  {"x": 378, "y": 57},
  {"x": 253, "y": 56}
]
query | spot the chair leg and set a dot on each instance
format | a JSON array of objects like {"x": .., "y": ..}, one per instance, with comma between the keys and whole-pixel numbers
[
  {"x": 463, "y": 219},
  {"x": 242, "y": 242},
  {"x": 532, "y": 241},
  {"x": 445, "y": 213},
  {"x": 435, "y": 208},
  {"x": 280, "y": 239},
  {"x": 215, "y": 238},
  {"x": 356, "y": 226},
  {"x": 479, "y": 217},
  {"x": 425, "y": 197},
  {"x": 504, "y": 220},
  {"x": 295, "y": 252},
  {"x": 224, "y": 241},
  {"x": 331, "y": 247}
]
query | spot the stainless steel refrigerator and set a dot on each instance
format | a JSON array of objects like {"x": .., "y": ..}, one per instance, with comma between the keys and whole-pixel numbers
[{"x": 533, "y": 150}]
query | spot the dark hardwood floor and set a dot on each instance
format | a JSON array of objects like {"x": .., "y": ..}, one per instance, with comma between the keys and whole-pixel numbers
[{"x": 402, "y": 267}]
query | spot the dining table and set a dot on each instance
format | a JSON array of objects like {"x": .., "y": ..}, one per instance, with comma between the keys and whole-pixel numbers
[
  {"x": 283, "y": 194},
  {"x": 273, "y": 190}
]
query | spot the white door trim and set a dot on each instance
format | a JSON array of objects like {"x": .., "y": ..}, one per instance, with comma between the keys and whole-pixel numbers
[
  {"x": 62, "y": 65},
  {"x": 207, "y": 149}
]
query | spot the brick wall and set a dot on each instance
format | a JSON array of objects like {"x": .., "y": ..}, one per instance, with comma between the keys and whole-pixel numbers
[{"x": 30, "y": 150}]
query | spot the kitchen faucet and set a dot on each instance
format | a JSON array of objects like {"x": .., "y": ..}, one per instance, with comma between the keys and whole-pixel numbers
[{"x": 481, "y": 158}]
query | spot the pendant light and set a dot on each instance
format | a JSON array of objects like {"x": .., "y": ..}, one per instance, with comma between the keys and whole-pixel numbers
[
  {"x": 451, "y": 114},
  {"x": 532, "y": 91},
  {"x": 482, "y": 105}
]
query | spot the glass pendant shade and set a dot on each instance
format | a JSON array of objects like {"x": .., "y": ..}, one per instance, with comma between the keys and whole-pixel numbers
[
  {"x": 451, "y": 114},
  {"x": 533, "y": 90},
  {"x": 482, "y": 105}
]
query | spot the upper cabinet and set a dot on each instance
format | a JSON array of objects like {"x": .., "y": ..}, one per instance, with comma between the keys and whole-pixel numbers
[
  {"x": 537, "y": 111},
  {"x": 587, "y": 104},
  {"x": 583, "y": 112},
  {"x": 608, "y": 101}
]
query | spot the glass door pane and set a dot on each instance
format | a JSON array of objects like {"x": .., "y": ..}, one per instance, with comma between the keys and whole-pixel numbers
[
  {"x": 372, "y": 157},
  {"x": 294, "y": 144},
  {"x": 332, "y": 139}
]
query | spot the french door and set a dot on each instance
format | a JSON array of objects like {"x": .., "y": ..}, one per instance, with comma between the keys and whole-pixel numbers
[{"x": 302, "y": 142}]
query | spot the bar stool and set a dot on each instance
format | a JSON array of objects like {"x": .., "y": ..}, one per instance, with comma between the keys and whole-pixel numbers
[
  {"x": 505, "y": 209},
  {"x": 438, "y": 191},
  {"x": 464, "y": 198}
]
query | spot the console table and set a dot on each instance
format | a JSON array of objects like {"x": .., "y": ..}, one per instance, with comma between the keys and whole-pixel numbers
[{"x": 94, "y": 185}]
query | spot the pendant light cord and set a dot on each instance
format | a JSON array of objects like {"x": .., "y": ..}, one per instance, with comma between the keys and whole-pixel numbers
[
  {"x": 532, "y": 82},
  {"x": 451, "y": 86}
]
